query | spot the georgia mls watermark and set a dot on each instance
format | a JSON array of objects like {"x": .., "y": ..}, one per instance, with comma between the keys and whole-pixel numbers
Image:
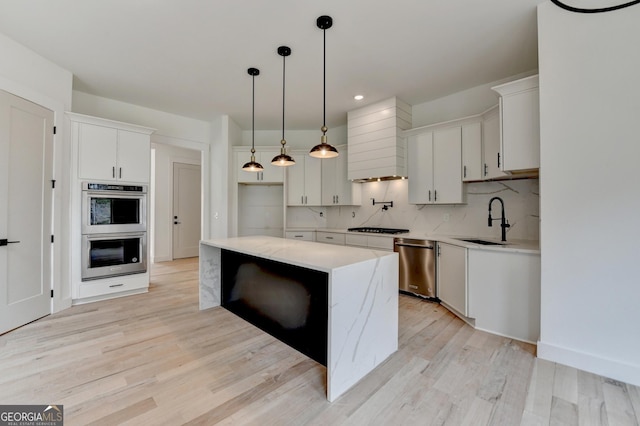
[{"x": 31, "y": 415}]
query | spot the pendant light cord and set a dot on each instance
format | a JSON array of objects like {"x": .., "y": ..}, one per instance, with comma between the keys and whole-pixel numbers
[
  {"x": 598, "y": 10},
  {"x": 324, "y": 78},
  {"x": 283, "y": 86},
  {"x": 253, "y": 111}
]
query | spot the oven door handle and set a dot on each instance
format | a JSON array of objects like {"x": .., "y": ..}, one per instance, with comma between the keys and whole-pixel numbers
[{"x": 414, "y": 245}]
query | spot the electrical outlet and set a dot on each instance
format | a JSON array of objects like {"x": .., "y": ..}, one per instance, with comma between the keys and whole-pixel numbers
[{"x": 446, "y": 217}]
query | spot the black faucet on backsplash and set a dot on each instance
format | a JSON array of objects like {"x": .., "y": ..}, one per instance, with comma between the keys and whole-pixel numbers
[{"x": 504, "y": 223}]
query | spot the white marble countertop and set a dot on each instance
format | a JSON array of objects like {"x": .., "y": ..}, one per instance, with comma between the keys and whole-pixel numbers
[
  {"x": 307, "y": 254},
  {"x": 512, "y": 245}
]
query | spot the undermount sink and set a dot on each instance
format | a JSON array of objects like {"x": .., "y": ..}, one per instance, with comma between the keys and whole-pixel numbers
[{"x": 482, "y": 242}]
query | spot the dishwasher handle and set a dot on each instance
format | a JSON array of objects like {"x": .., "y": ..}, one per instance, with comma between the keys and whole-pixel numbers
[{"x": 414, "y": 245}]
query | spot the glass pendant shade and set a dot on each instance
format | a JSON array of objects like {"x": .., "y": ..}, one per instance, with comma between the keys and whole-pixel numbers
[
  {"x": 324, "y": 150},
  {"x": 253, "y": 165},
  {"x": 282, "y": 159}
]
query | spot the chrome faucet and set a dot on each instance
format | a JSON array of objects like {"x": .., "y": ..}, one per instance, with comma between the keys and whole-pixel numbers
[{"x": 503, "y": 220}]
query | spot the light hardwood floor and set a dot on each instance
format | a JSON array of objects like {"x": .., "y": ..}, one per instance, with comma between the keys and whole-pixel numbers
[{"x": 154, "y": 359}]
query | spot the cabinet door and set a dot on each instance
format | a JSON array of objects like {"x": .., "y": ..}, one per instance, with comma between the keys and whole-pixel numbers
[
  {"x": 97, "y": 152},
  {"x": 472, "y": 152},
  {"x": 452, "y": 277},
  {"x": 330, "y": 180},
  {"x": 134, "y": 156},
  {"x": 520, "y": 130},
  {"x": 312, "y": 180},
  {"x": 420, "y": 165},
  {"x": 271, "y": 173},
  {"x": 491, "y": 141},
  {"x": 447, "y": 169},
  {"x": 295, "y": 183}
]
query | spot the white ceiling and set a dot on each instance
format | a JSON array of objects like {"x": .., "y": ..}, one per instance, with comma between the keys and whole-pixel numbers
[{"x": 190, "y": 57}]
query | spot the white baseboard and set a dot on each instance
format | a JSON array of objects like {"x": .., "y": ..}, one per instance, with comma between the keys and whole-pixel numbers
[
  {"x": 157, "y": 259},
  {"x": 621, "y": 371}
]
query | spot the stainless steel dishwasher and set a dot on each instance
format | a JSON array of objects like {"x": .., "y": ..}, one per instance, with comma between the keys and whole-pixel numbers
[{"x": 417, "y": 266}]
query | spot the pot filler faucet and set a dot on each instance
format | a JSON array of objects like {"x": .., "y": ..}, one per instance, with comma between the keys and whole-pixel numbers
[{"x": 503, "y": 220}]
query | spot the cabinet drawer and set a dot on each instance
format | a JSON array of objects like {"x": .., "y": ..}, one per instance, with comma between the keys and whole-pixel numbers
[
  {"x": 330, "y": 238},
  {"x": 113, "y": 285},
  {"x": 300, "y": 235}
]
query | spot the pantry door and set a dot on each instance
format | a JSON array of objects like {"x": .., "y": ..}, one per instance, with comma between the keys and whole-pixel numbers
[
  {"x": 186, "y": 210},
  {"x": 26, "y": 197}
]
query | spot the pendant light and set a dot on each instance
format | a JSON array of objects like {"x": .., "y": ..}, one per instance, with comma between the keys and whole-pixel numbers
[
  {"x": 324, "y": 150},
  {"x": 253, "y": 166},
  {"x": 283, "y": 159}
]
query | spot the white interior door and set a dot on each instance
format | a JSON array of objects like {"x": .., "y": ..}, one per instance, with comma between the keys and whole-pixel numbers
[
  {"x": 186, "y": 210},
  {"x": 26, "y": 170}
]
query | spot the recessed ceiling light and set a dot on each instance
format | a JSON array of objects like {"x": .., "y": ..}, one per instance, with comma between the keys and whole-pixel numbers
[{"x": 358, "y": 97}]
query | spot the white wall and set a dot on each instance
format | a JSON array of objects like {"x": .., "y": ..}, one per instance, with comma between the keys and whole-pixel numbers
[
  {"x": 590, "y": 149},
  {"x": 32, "y": 77},
  {"x": 461, "y": 104}
]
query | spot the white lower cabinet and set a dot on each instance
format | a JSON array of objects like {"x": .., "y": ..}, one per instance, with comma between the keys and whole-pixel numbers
[
  {"x": 89, "y": 291},
  {"x": 370, "y": 241},
  {"x": 330, "y": 237},
  {"x": 452, "y": 277},
  {"x": 497, "y": 291},
  {"x": 300, "y": 235}
]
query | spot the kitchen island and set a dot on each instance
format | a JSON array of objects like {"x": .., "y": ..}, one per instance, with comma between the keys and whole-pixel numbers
[{"x": 284, "y": 281}]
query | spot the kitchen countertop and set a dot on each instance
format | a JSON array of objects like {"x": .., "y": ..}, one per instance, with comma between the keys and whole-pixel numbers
[
  {"x": 512, "y": 245},
  {"x": 318, "y": 256},
  {"x": 362, "y": 298}
]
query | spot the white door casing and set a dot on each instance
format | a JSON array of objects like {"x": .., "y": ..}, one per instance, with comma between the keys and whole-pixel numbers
[
  {"x": 186, "y": 210},
  {"x": 26, "y": 170}
]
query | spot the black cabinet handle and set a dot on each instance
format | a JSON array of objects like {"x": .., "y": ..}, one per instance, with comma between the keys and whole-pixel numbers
[{"x": 4, "y": 242}]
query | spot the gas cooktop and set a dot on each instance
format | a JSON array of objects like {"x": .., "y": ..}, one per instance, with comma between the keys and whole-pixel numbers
[{"x": 376, "y": 230}]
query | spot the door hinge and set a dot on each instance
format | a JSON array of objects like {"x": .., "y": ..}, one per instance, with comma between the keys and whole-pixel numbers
[
  {"x": 52, "y": 293},
  {"x": 52, "y": 238},
  {"x": 53, "y": 183},
  {"x": 54, "y": 130}
]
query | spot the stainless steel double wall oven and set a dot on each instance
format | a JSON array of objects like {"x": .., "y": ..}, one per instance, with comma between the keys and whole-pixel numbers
[{"x": 114, "y": 230}]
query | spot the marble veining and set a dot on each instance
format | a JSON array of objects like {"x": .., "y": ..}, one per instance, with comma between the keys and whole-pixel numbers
[
  {"x": 362, "y": 298},
  {"x": 521, "y": 197}
]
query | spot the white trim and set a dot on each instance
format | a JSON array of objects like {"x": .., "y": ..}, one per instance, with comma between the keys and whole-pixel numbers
[
  {"x": 628, "y": 373},
  {"x": 96, "y": 121}
]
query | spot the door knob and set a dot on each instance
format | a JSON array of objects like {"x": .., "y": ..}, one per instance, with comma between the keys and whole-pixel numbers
[{"x": 4, "y": 242}]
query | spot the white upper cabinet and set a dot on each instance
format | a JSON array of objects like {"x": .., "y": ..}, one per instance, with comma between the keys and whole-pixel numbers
[
  {"x": 304, "y": 180},
  {"x": 472, "y": 152},
  {"x": 435, "y": 169},
  {"x": 519, "y": 124},
  {"x": 270, "y": 173},
  {"x": 337, "y": 189},
  {"x": 491, "y": 145},
  {"x": 111, "y": 151}
]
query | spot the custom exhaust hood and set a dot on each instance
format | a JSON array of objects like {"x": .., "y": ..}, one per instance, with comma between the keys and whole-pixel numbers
[{"x": 376, "y": 149}]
